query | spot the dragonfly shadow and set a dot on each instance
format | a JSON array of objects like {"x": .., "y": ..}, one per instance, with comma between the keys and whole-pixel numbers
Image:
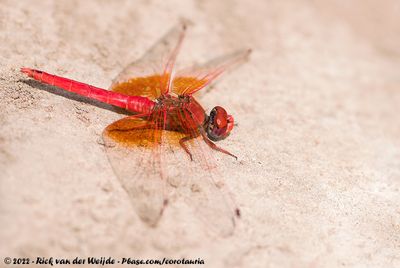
[{"x": 73, "y": 96}]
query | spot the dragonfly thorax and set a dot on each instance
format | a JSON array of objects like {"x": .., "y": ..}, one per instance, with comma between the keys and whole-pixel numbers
[
  {"x": 170, "y": 102},
  {"x": 182, "y": 112}
]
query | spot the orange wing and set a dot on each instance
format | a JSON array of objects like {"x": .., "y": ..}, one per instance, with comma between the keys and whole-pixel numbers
[
  {"x": 150, "y": 76},
  {"x": 188, "y": 81}
]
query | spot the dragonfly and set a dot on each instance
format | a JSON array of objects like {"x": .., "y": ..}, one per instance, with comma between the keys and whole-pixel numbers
[{"x": 166, "y": 125}]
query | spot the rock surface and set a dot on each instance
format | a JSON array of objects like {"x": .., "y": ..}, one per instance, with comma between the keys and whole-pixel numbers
[{"x": 318, "y": 135}]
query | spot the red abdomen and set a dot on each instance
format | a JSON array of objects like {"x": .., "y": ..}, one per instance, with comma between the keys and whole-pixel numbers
[{"x": 136, "y": 104}]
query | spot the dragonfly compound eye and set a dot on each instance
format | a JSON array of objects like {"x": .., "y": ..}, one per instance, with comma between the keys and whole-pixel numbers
[{"x": 219, "y": 124}]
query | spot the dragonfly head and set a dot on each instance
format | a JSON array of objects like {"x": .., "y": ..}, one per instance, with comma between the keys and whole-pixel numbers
[{"x": 219, "y": 124}]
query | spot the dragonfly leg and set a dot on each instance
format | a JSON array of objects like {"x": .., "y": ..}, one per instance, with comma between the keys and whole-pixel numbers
[
  {"x": 217, "y": 148},
  {"x": 183, "y": 145}
]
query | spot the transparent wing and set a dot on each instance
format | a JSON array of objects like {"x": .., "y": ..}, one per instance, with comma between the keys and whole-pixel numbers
[
  {"x": 191, "y": 80},
  {"x": 211, "y": 200},
  {"x": 131, "y": 146},
  {"x": 150, "y": 164},
  {"x": 150, "y": 76}
]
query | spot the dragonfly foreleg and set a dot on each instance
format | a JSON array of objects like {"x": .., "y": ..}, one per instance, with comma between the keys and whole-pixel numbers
[
  {"x": 216, "y": 147},
  {"x": 183, "y": 145}
]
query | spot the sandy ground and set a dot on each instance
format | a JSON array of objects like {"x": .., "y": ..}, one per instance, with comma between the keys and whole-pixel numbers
[{"x": 317, "y": 107}]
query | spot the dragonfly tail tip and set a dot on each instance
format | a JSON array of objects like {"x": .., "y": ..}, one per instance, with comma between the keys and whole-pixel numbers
[{"x": 27, "y": 71}]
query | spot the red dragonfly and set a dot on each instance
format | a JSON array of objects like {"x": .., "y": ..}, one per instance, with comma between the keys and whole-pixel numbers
[{"x": 143, "y": 148}]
